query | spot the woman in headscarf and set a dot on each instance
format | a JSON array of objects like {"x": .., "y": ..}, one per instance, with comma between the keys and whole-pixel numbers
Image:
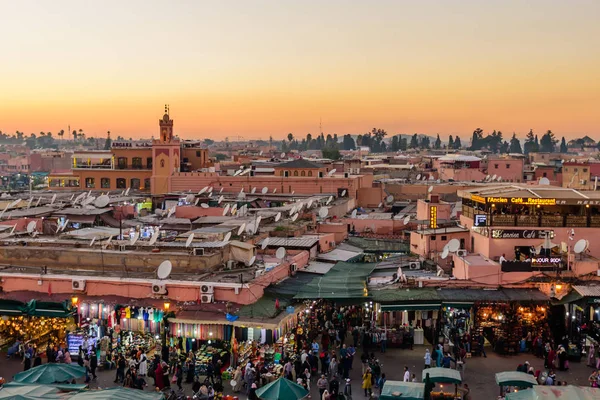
[
  {"x": 68, "y": 359},
  {"x": 158, "y": 373},
  {"x": 143, "y": 365},
  {"x": 237, "y": 377},
  {"x": 325, "y": 395},
  {"x": 252, "y": 394},
  {"x": 367, "y": 382}
]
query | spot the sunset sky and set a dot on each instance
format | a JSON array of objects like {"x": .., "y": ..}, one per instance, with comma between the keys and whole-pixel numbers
[{"x": 259, "y": 68}]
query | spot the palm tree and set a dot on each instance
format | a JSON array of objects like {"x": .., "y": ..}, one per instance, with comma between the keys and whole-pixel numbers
[
  {"x": 290, "y": 137},
  {"x": 61, "y": 133}
]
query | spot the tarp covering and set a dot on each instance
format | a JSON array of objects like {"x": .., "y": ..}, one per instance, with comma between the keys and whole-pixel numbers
[
  {"x": 282, "y": 389},
  {"x": 343, "y": 281},
  {"x": 407, "y": 391},
  {"x": 11, "y": 307},
  {"x": 50, "y": 373},
  {"x": 556, "y": 393},
  {"x": 48, "y": 309},
  {"x": 117, "y": 393},
  {"x": 442, "y": 375},
  {"x": 515, "y": 378},
  {"x": 64, "y": 387},
  {"x": 30, "y": 392},
  {"x": 453, "y": 296}
]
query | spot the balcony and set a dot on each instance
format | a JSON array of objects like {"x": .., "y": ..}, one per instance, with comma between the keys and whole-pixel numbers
[{"x": 545, "y": 221}]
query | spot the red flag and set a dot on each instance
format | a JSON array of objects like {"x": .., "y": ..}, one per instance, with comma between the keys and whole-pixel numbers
[
  {"x": 49, "y": 289},
  {"x": 277, "y": 304},
  {"x": 198, "y": 301}
]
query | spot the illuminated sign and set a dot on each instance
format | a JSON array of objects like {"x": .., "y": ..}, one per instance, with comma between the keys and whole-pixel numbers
[
  {"x": 526, "y": 201},
  {"x": 433, "y": 217},
  {"x": 518, "y": 234},
  {"x": 478, "y": 199},
  {"x": 480, "y": 220},
  {"x": 546, "y": 260}
]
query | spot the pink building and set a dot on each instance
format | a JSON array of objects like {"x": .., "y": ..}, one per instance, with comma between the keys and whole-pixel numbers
[
  {"x": 510, "y": 169},
  {"x": 459, "y": 167}
]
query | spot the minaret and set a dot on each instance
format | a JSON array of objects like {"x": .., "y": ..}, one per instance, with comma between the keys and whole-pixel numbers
[{"x": 166, "y": 126}]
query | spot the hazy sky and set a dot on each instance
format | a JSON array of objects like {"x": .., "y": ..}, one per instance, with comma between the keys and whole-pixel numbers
[{"x": 260, "y": 68}]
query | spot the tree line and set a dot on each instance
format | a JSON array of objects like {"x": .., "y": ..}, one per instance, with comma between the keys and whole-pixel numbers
[
  {"x": 47, "y": 140},
  {"x": 495, "y": 143}
]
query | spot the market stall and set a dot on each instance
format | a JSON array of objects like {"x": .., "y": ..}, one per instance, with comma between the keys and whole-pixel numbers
[
  {"x": 569, "y": 392},
  {"x": 398, "y": 390},
  {"x": 443, "y": 376},
  {"x": 514, "y": 379}
]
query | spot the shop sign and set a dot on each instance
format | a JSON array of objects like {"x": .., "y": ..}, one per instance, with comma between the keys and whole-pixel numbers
[
  {"x": 546, "y": 260},
  {"x": 526, "y": 201},
  {"x": 595, "y": 300},
  {"x": 478, "y": 199},
  {"x": 433, "y": 217},
  {"x": 515, "y": 234}
]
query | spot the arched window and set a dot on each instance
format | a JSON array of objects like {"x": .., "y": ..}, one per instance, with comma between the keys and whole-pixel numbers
[
  {"x": 303, "y": 173},
  {"x": 147, "y": 184},
  {"x": 105, "y": 183},
  {"x": 136, "y": 162},
  {"x": 90, "y": 183},
  {"x": 121, "y": 183},
  {"x": 309, "y": 173},
  {"x": 135, "y": 183},
  {"x": 295, "y": 173},
  {"x": 122, "y": 163}
]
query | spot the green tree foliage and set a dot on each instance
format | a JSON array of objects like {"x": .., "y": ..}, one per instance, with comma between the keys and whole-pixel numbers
[
  {"x": 563, "y": 145},
  {"x": 515, "y": 145},
  {"x": 438, "y": 142},
  {"x": 457, "y": 143},
  {"x": 450, "y": 142},
  {"x": 414, "y": 141},
  {"x": 548, "y": 142},
  {"x": 331, "y": 153}
]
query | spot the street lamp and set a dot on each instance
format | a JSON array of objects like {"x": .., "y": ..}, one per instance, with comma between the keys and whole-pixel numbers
[{"x": 167, "y": 305}]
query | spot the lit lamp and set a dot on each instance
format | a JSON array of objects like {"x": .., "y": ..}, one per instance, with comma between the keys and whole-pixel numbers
[
  {"x": 167, "y": 305},
  {"x": 558, "y": 287},
  {"x": 74, "y": 301}
]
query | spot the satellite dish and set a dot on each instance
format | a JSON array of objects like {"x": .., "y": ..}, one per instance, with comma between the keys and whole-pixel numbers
[
  {"x": 323, "y": 212},
  {"x": 579, "y": 247},
  {"x": 294, "y": 217},
  {"x": 253, "y": 190},
  {"x": 102, "y": 201},
  {"x": 275, "y": 190},
  {"x": 88, "y": 200},
  {"x": 31, "y": 226},
  {"x": 226, "y": 209},
  {"x": 293, "y": 191},
  {"x": 227, "y": 237},
  {"x": 134, "y": 239},
  {"x": 189, "y": 198},
  {"x": 309, "y": 205},
  {"x": 250, "y": 229},
  {"x": 354, "y": 213},
  {"x": 431, "y": 178},
  {"x": 264, "y": 244},
  {"x": 333, "y": 171},
  {"x": 487, "y": 177},
  {"x": 108, "y": 240},
  {"x": 92, "y": 242},
  {"x": 379, "y": 205},
  {"x": 343, "y": 192},
  {"x": 204, "y": 205},
  {"x": 277, "y": 217},
  {"x": 236, "y": 173},
  {"x": 430, "y": 189},
  {"x": 282, "y": 155},
  {"x": 264, "y": 190},
  {"x": 445, "y": 253},
  {"x": 494, "y": 177},
  {"x": 197, "y": 201},
  {"x": 329, "y": 200},
  {"x": 258, "y": 219},
  {"x": 389, "y": 198},
  {"x": 234, "y": 209},
  {"x": 154, "y": 237},
  {"x": 171, "y": 212},
  {"x": 126, "y": 192},
  {"x": 406, "y": 220},
  {"x": 241, "y": 229},
  {"x": 499, "y": 178},
  {"x": 204, "y": 189},
  {"x": 424, "y": 178},
  {"x": 164, "y": 269},
  {"x": 419, "y": 177},
  {"x": 453, "y": 245},
  {"x": 292, "y": 210},
  {"x": 53, "y": 199},
  {"x": 280, "y": 253},
  {"x": 221, "y": 190},
  {"x": 189, "y": 240},
  {"x": 210, "y": 189},
  {"x": 439, "y": 272},
  {"x": 220, "y": 199},
  {"x": 261, "y": 153},
  {"x": 251, "y": 261},
  {"x": 544, "y": 181}
]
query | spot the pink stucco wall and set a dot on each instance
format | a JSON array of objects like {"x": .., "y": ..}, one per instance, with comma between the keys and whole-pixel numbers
[
  {"x": 511, "y": 170},
  {"x": 424, "y": 246},
  {"x": 443, "y": 210},
  {"x": 193, "y": 212},
  {"x": 339, "y": 229}
]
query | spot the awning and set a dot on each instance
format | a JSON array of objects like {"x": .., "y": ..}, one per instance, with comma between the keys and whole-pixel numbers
[
  {"x": 459, "y": 304},
  {"x": 410, "y": 307},
  {"x": 82, "y": 219}
]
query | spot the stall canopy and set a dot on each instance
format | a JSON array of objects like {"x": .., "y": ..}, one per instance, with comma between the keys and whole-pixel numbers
[
  {"x": 50, "y": 373},
  {"x": 345, "y": 281},
  {"x": 515, "y": 378},
  {"x": 48, "y": 309},
  {"x": 393, "y": 390},
  {"x": 556, "y": 393},
  {"x": 11, "y": 307},
  {"x": 442, "y": 375},
  {"x": 282, "y": 389},
  {"x": 30, "y": 392},
  {"x": 117, "y": 393}
]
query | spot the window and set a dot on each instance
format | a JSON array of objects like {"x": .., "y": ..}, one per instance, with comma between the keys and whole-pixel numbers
[
  {"x": 444, "y": 237},
  {"x": 136, "y": 162},
  {"x": 433, "y": 238},
  {"x": 576, "y": 169},
  {"x": 545, "y": 174},
  {"x": 122, "y": 163},
  {"x": 303, "y": 173},
  {"x": 105, "y": 183},
  {"x": 149, "y": 162},
  {"x": 295, "y": 173},
  {"x": 495, "y": 166},
  {"x": 135, "y": 183},
  {"x": 121, "y": 183},
  {"x": 147, "y": 183},
  {"x": 198, "y": 153},
  {"x": 585, "y": 170},
  {"x": 90, "y": 183},
  {"x": 286, "y": 173},
  {"x": 507, "y": 166},
  {"x": 309, "y": 173}
]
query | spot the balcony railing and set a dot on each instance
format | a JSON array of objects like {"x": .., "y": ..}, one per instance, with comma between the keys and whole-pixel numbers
[
  {"x": 544, "y": 221},
  {"x": 527, "y": 220},
  {"x": 92, "y": 166}
]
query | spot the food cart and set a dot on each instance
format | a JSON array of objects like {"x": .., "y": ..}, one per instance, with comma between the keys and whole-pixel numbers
[
  {"x": 569, "y": 392},
  {"x": 443, "y": 376},
  {"x": 398, "y": 390},
  {"x": 518, "y": 380}
]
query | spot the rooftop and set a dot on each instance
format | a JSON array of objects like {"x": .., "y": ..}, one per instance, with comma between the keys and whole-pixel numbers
[{"x": 300, "y": 163}]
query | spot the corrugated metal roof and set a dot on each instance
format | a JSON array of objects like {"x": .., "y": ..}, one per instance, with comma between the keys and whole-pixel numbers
[
  {"x": 316, "y": 267},
  {"x": 83, "y": 211},
  {"x": 301, "y": 242},
  {"x": 588, "y": 291},
  {"x": 338, "y": 255}
]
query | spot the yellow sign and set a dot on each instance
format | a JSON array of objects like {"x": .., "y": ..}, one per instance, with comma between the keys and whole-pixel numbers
[
  {"x": 478, "y": 199},
  {"x": 433, "y": 217},
  {"x": 526, "y": 201}
]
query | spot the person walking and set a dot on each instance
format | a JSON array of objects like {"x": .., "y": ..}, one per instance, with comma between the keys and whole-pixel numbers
[
  {"x": 427, "y": 359},
  {"x": 93, "y": 363},
  {"x": 406, "y": 374},
  {"x": 383, "y": 338},
  {"x": 322, "y": 385},
  {"x": 367, "y": 382},
  {"x": 481, "y": 340},
  {"x": 86, "y": 365},
  {"x": 348, "y": 390}
]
